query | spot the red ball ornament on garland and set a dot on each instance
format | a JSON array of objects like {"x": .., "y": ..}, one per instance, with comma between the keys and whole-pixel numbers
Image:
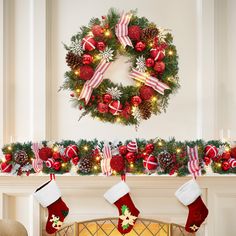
[
  {"x": 123, "y": 149},
  {"x": 225, "y": 165},
  {"x": 207, "y": 160},
  {"x": 159, "y": 66},
  {"x": 57, "y": 165},
  {"x": 226, "y": 156},
  {"x": 134, "y": 32},
  {"x": 56, "y": 155},
  {"x": 49, "y": 162},
  {"x": 149, "y": 148},
  {"x": 71, "y": 151},
  {"x": 107, "y": 98},
  {"x": 75, "y": 160},
  {"x": 140, "y": 46},
  {"x": 211, "y": 151},
  {"x": 5, "y": 167},
  {"x": 101, "y": 46},
  {"x": 97, "y": 31},
  {"x": 88, "y": 43},
  {"x": 8, "y": 157},
  {"x": 115, "y": 107},
  {"x": 233, "y": 152},
  {"x": 45, "y": 153},
  {"x": 146, "y": 92},
  {"x": 130, "y": 157},
  {"x": 102, "y": 107},
  {"x": 157, "y": 54},
  {"x": 136, "y": 100},
  {"x": 150, "y": 163},
  {"x": 87, "y": 59},
  {"x": 117, "y": 163},
  {"x": 149, "y": 62},
  {"x": 86, "y": 72}
]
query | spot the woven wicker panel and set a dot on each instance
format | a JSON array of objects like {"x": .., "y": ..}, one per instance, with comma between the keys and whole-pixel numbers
[{"x": 108, "y": 227}]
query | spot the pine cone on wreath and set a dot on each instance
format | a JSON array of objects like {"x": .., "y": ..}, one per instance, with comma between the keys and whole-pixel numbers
[
  {"x": 149, "y": 33},
  {"x": 21, "y": 157},
  {"x": 145, "y": 109},
  {"x": 73, "y": 60},
  {"x": 166, "y": 161},
  {"x": 85, "y": 165}
]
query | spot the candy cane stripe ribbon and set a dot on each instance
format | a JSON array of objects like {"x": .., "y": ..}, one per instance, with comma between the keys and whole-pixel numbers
[
  {"x": 105, "y": 162},
  {"x": 94, "y": 82},
  {"x": 121, "y": 30},
  {"x": 37, "y": 163},
  {"x": 193, "y": 163},
  {"x": 149, "y": 81}
]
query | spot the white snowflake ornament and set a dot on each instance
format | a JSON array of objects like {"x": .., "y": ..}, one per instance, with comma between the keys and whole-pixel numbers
[
  {"x": 115, "y": 92},
  {"x": 136, "y": 114},
  {"x": 76, "y": 47},
  {"x": 107, "y": 54},
  {"x": 140, "y": 64},
  {"x": 162, "y": 34}
]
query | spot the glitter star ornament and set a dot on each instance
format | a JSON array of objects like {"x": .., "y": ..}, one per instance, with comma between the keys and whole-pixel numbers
[
  {"x": 114, "y": 92},
  {"x": 76, "y": 47},
  {"x": 107, "y": 54},
  {"x": 141, "y": 64}
]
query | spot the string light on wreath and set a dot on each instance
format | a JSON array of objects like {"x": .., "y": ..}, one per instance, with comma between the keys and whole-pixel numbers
[{"x": 153, "y": 60}]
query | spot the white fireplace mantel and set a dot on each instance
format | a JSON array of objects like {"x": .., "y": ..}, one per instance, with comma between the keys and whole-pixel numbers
[{"x": 153, "y": 195}]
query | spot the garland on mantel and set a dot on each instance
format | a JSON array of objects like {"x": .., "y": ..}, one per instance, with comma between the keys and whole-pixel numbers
[{"x": 155, "y": 156}]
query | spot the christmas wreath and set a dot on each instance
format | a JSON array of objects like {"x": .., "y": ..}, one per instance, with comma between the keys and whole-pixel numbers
[{"x": 154, "y": 68}]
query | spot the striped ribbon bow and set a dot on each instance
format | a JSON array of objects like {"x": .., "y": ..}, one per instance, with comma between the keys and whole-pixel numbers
[
  {"x": 105, "y": 162},
  {"x": 95, "y": 81},
  {"x": 149, "y": 81},
  {"x": 193, "y": 163},
  {"x": 37, "y": 163},
  {"x": 121, "y": 30}
]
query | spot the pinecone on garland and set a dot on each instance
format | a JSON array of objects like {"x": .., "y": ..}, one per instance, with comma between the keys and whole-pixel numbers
[
  {"x": 73, "y": 60},
  {"x": 85, "y": 165},
  {"x": 21, "y": 157},
  {"x": 166, "y": 161},
  {"x": 145, "y": 109},
  {"x": 149, "y": 33}
]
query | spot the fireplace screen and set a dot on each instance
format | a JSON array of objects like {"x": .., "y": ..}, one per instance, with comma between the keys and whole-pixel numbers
[{"x": 107, "y": 227}]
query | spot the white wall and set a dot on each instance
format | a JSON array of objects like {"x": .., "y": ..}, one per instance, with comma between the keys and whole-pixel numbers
[{"x": 34, "y": 66}]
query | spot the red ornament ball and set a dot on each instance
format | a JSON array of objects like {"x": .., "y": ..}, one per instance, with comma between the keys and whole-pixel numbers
[
  {"x": 150, "y": 62},
  {"x": 86, "y": 72},
  {"x": 140, "y": 46},
  {"x": 97, "y": 31},
  {"x": 115, "y": 107},
  {"x": 5, "y": 167},
  {"x": 233, "y": 152},
  {"x": 102, "y": 107},
  {"x": 134, "y": 32},
  {"x": 157, "y": 54},
  {"x": 117, "y": 163},
  {"x": 75, "y": 160},
  {"x": 226, "y": 156},
  {"x": 101, "y": 46},
  {"x": 136, "y": 100},
  {"x": 207, "y": 160},
  {"x": 149, "y": 148},
  {"x": 123, "y": 149},
  {"x": 71, "y": 151},
  {"x": 56, "y": 165},
  {"x": 87, "y": 59},
  {"x": 107, "y": 98},
  {"x": 45, "y": 153},
  {"x": 88, "y": 43},
  {"x": 150, "y": 162},
  {"x": 159, "y": 66},
  {"x": 8, "y": 157},
  {"x": 146, "y": 92},
  {"x": 211, "y": 151},
  {"x": 225, "y": 165},
  {"x": 56, "y": 155},
  {"x": 130, "y": 157}
]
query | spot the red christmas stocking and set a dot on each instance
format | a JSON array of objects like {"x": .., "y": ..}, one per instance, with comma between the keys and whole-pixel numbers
[
  {"x": 190, "y": 195},
  {"x": 49, "y": 196},
  {"x": 128, "y": 213}
]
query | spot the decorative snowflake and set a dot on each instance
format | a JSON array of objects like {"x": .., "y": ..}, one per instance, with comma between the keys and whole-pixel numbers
[
  {"x": 136, "y": 114},
  {"x": 221, "y": 149},
  {"x": 140, "y": 64},
  {"x": 60, "y": 149},
  {"x": 27, "y": 167},
  {"x": 76, "y": 47},
  {"x": 162, "y": 34},
  {"x": 115, "y": 92},
  {"x": 15, "y": 169},
  {"x": 107, "y": 54}
]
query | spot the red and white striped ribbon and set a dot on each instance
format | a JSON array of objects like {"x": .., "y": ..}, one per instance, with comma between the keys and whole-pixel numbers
[
  {"x": 121, "y": 30},
  {"x": 149, "y": 81},
  {"x": 193, "y": 163},
  {"x": 95, "y": 81},
  {"x": 132, "y": 146},
  {"x": 37, "y": 163},
  {"x": 105, "y": 162}
]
